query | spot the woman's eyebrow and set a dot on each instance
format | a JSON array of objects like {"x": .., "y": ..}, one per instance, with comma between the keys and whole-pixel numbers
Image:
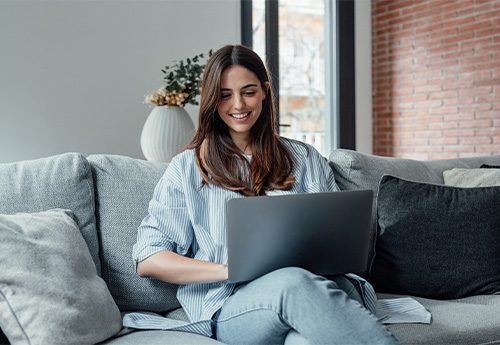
[{"x": 244, "y": 87}]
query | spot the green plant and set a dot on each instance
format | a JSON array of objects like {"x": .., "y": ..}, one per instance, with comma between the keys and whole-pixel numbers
[{"x": 183, "y": 80}]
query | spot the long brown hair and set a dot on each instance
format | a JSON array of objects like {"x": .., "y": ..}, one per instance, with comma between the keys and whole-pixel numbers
[{"x": 219, "y": 160}]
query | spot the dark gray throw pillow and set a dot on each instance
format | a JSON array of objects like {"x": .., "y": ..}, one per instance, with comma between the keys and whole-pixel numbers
[{"x": 437, "y": 241}]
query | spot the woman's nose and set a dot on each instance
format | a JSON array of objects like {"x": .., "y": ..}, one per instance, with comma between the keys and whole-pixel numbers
[{"x": 239, "y": 102}]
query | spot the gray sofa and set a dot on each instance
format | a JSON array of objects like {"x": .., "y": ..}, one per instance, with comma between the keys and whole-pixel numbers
[{"x": 108, "y": 196}]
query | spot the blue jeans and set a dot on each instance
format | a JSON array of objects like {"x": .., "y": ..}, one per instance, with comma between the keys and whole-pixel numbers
[{"x": 294, "y": 306}]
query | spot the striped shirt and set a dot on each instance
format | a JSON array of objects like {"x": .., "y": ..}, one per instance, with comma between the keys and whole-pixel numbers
[{"x": 183, "y": 217}]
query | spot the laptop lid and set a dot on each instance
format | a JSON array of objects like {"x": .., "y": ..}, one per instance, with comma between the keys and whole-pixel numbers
[{"x": 325, "y": 233}]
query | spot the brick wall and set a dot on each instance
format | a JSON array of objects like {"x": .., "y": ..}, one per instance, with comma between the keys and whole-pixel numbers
[{"x": 436, "y": 78}]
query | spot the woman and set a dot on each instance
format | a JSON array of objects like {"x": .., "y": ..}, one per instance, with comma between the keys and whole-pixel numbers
[{"x": 236, "y": 152}]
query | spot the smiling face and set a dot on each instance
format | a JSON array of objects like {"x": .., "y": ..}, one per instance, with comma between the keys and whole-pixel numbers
[{"x": 241, "y": 103}]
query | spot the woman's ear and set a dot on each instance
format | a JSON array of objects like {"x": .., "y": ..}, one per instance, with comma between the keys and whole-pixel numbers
[{"x": 266, "y": 89}]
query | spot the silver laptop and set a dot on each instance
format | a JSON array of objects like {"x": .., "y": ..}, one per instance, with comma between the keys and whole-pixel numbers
[{"x": 325, "y": 233}]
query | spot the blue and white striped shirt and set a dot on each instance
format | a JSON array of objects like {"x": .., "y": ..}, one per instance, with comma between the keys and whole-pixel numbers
[{"x": 183, "y": 216}]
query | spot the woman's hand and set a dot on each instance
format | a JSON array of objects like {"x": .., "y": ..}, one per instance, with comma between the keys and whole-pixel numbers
[{"x": 174, "y": 268}]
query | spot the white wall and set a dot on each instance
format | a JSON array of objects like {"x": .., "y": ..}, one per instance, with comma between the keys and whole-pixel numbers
[
  {"x": 73, "y": 74},
  {"x": 363, "y": 68}
]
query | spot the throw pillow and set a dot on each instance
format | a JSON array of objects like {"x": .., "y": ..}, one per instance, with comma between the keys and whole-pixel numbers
[
  {"x": 437, "y": 241},
  {"x": 50, "y": 292},
  {"x": 469, "y": 178}
]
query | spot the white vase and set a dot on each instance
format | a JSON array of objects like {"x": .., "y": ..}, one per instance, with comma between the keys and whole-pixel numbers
[{"x": 165, "y": 133}]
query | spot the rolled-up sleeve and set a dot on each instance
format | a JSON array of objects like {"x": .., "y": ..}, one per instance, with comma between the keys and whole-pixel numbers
[{"x": 168, "y": 225}]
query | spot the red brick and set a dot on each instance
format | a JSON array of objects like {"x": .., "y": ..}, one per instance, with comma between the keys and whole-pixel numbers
[
  {"x": 415, "y": 83},
  {"x": 443, "y": 126},
  {"x": 428, "y": 13},
  {"x": 446, "y": 94},
  {"x": 428, "y": 88},
  {"x": 475, "y": 108},
  {"x": 488, "y": 32},
  {"x": 477, "y": 43},
  {"x": 444, "y": 110},
  {"x": 458, "y": 70},
  {"x": 458, "y": 38},
  {"x": 459, "y": 148},
  {"x": 402, "y": 135},
  {"x": 488, "y": 148},
  {"x": 475, "y": 59},
  {"x": 475, "y": 75},
  {"x": 444, "y": 49},
  {"x": 458, "y": 86},
  {"x": 429, "y": 119},
  {"x": 458, "y": 22},
  {"x": 489, "y": 99},
  {"x": 416, "y": 98},
  {"x": 475, "y": 141},
  {"x": 433, "y": 149},
  {"x": 442, "y": 33},
  {"x": 430, "y": 134},
  {"x": 438, "y": 156},
  {"x": 475, "y": 26},
  {"x": 459, "y": 54},
  {"x": 401, "y": 121},
  {"x": 443, "y": 80},
  {"x": 459, "y": 133},
  {"x": 492, "y": 81},
  {"x": 458, "y": 101},
  {"x": 492, "y": 115},
  {"x": 490, "y": 65},
  {"x": 417, "y": 7},
  {"x": 429, "y": 104},
  {"x": 456, "y": 5},
  {"x": 488, "y": 132},
  {"x": 475, "y": 91},
  {"x": 444, "y": 141},
  {"x": 412, "y": 113},
  {"x": 414, "y": 142},
  {"x": 458, "y": 117},
  {"x": 430, "y": 28},
  {"x": 487, "y": 49},
  {"x": 488, "y": 15},
  {"x": 475, "y": 124}
]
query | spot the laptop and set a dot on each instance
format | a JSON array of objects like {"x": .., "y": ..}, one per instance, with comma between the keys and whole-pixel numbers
[{"x": 325, "y": 233}]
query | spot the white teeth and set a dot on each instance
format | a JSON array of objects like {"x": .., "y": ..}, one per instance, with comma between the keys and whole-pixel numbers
[{"x": 239, "y": 116}]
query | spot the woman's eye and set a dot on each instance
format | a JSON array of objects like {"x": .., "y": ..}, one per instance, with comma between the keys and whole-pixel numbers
[
  {"x": 250, "y": 93},
  {"x": 225, "y": 96}
]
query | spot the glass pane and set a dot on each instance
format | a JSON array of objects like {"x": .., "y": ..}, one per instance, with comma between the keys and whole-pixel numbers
[
  {"x": 302, "y": 67},
  {"x": 302, "y": 71}
]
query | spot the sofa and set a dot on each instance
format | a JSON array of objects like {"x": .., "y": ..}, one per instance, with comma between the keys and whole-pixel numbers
[{"x": 68, "y": 224}]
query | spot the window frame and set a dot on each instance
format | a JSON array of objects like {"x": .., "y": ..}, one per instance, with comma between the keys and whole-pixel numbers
[{"x": 340, "y": 127}]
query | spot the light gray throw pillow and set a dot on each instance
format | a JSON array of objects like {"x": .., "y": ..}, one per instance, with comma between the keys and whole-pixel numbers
[
  {"x": 50, "y": 292},
  {"x": 470, "y": 178}
]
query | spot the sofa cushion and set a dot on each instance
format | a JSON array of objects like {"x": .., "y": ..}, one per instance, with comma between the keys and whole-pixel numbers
[
  {"x": 161, "y": 338},
  {"x": 356, "y": 170},
  {"x": 437, "y": 241},
  {"x": 472, "y": 177},
  {"x": 124, "y": 187},
  {"x": 61, "y": 181},
  {"x": 50, "y": 292},
  {"x": 467, "y": 321}
]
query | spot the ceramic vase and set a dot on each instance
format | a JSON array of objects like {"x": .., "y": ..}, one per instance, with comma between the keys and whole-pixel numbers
[{"x": 166, "y": 131}]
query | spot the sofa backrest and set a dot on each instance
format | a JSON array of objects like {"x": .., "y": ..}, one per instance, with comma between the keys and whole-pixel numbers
[
  {"x": 124, "y": 187},
  {"x": 61, "y": 181},
  {"x": 356, "y": 170}
]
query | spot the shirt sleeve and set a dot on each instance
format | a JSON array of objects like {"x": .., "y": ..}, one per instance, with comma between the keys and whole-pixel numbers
[
  {"x": 167, "y": 225},
  {"x": 319, "y": 177}
]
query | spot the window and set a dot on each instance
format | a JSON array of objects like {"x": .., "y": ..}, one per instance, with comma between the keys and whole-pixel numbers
[{"x": 296, "y": 38}]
